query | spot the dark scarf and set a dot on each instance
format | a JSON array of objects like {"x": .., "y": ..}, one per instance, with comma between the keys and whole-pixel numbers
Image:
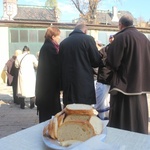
[{"x": 56, "y": 46}]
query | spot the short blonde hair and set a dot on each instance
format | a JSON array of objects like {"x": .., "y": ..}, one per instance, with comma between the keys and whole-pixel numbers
[
  {"x": 52, "y": 31},
  {"x": 17, "y": 52}
]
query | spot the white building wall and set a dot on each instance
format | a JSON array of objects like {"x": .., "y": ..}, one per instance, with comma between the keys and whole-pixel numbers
[
  {"x": 4, "y": 50},
  {"x": 94, "y": 33}
]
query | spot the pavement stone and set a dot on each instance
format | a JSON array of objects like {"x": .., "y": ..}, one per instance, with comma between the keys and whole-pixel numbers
[{"x": 14, "y": 119}]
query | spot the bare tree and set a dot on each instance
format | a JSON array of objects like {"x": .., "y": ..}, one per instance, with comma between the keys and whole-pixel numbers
[
  {"x": 87, "y": 9},
  {"x": 141, "y": 22}
]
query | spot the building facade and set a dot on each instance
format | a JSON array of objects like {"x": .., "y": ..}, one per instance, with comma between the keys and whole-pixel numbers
[
  {"x": 26, "y": 25},
  {"x": 15, "y": 35},
  {"x": 15, "y": 12}
]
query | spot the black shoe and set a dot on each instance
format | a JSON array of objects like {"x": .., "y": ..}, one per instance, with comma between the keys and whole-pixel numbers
[
  {"x": 22, "y": 107},
  {"x": 31, "y": 106},
  {"x": 22, "y": 103},
  {"x": 32, "y": 101}
]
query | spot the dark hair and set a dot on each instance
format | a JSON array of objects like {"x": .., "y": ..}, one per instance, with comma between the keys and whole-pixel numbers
[
  {"x": 26, "y": 49},
  {"x": 126, "y": 20},
  {"x": 111, "y": 36},
  {"x": 51, "y": 31}
]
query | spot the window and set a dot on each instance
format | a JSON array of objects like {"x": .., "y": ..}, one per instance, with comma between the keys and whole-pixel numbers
[
  {"x": 32, "y": 35},
  {"x": 14, "y": 36},
  {"x": 41, "y": 34},
  {"x": 23, "y": 35}
]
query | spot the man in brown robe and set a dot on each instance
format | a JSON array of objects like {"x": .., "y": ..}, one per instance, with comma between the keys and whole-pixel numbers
[{"x": 129, "y": 57}]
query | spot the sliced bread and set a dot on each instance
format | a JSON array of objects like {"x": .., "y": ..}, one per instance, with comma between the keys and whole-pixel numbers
[
  {"x": 60, "y": 119},
  {"x": 96, "y": 124},
  {"x": 50, "y": 129},
  {"x": 77, "y": 117},
  {"x": 55, "y": 126},
  {"x": 93, "y": 120},
  {"x": 75, "y": 130},
  {"x": 79, "y": 109},
  {"x": 77, "y": 122}
]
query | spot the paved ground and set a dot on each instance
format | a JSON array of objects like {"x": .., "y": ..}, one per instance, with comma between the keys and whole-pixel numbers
[{"x": 12, "y": 118}]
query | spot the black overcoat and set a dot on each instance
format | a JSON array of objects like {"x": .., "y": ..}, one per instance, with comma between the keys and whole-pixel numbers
[
  {"x": 78, "y": 54},
  {"x": 47, "y": 79}
]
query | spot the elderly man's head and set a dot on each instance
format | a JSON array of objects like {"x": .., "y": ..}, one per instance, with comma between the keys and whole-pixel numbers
[
  {"x": 81, "y": 26},
  {"x": 125, "y": 21}
]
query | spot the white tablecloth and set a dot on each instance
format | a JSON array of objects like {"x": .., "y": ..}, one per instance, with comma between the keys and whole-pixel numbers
[
  {"x": 31, "y": 139},
  {"x": 131, "y": 140}
]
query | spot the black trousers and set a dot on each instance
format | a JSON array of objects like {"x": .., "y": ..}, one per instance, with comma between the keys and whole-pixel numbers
[
  {"x": 22, "y": 102},
  {"x": 15, "y": 97},
  {"x": 44, "y": 115}
]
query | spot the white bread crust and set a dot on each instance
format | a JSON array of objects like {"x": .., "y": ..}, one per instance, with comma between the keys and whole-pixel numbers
[{"x": 76, "y": 122}]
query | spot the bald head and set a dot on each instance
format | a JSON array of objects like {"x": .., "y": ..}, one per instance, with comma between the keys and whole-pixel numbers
[
  {"x": 82, "y": 27},
  {"x": 125, "y": 21}
]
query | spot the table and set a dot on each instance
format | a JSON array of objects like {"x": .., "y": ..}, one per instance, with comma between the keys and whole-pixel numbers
[{"x": 31, "y": 139}]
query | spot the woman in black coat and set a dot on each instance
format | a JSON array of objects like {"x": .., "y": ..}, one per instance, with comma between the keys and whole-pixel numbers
[{"x": 47, "y": 81}]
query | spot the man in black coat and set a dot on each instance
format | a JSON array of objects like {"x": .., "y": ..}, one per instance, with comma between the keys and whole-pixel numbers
[
  {"x": 78, "y": 54},
  {"x": 129, "y": 57}
]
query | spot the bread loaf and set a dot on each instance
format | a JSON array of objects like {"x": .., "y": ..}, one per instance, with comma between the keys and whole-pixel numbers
[
  {"x": 75, "y": 130},
  {"x": 55, "y": 126},
  {"x": 77, "y": 117},
  {"x": 54, "y": 123},
  {"x": 94, "y": 121},
  {"x": 76, "y": 122},
  {"x": 50, "y": 129},
  {"x": 60, "y": 119},
  {"x": 96, "y": 124},
  {"x": 81, "y": 109}
]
